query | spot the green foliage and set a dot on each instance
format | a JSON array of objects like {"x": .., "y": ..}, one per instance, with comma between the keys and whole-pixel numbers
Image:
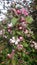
[
  {"x": 29, "y": 19},
  {"x": 14, "y": 21}
]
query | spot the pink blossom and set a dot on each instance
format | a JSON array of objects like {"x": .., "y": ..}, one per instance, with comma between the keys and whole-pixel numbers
[
  {"x": 19, "y": 47},
  {"x": 24, "y": 11}
]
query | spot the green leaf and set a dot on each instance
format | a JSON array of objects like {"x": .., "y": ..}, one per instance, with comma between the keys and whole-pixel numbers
[
  {"x": 25, "y": 44},
  {"x": 29, "y": 19},
  {"x": 14, "y": 21},
  {"x": 19, "y": 33},
  {"x": 23, "y": 54}
]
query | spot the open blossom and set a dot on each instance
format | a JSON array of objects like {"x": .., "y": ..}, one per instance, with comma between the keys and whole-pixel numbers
[
  {"x": 19, "y": 47},
  {"x": 12, "y": 41},
  {"x": 15, "y": 41},
  {"x": 24, "y": 11},
  {"x": 33, "y": 43},
  {"x": 10, "y": 25}
]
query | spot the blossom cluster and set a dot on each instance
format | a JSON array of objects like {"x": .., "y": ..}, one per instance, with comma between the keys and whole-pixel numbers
[{"x": 16, "y": 33}]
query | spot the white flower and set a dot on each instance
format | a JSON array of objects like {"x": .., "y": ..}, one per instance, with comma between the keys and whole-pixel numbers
[
  {"x": 13, "y": 38},
  {"x": 15, "y": 41},
  {"x": 18, "y": 40},
  {"x": 33, "y": 43},
  {"x": 10, "y": 25},
  {"x": 12, "y": 41}
]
